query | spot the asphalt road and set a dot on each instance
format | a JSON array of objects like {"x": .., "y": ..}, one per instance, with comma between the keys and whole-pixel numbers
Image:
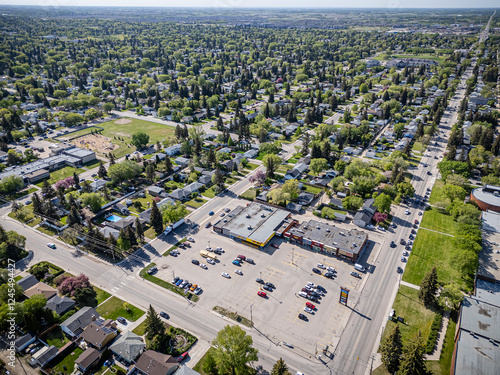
[{"x": 361, "y": 338}]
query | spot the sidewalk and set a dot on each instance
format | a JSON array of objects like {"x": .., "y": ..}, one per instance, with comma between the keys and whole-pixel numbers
[{"x": 410, "y": 285}]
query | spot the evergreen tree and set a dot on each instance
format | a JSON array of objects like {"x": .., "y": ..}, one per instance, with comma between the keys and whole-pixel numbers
[
  {"x": 153, "y": 324},
  {"x": 428, "y": 288},
  {"x": 305, "y": 144},
  {"x": 280, "y": 368},
  {"x": 412, "y": 359},
  {"x": 37, "y": 204},
  {"x": 48, "y": 191},
  {"x": 168, "y": 164},
  {"x": 139, "y": 230},
  {"x": 156, "y": 219},
  {"x": 76, "y": 181},
  {"x": 131, "y": 236},
  {"x": 102, "y": 170},
  {"x": 73, "y": 216},
  {"x": 391, "y": 349}
]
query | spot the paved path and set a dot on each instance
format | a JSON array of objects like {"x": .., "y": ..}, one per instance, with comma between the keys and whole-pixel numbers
[
  {"x": 435, "y": 231},
  {"x": 410, "y": 285},
  {"x": 441, "y": 335}
]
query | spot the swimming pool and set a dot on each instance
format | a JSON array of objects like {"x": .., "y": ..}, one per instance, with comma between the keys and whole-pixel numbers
[{"x": 114, "y": 218}]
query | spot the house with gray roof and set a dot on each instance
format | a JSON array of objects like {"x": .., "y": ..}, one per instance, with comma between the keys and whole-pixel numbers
[
  {"x": 362, "y": 219},
  {"x": 128, "y": 346},
  {"x": 23, "y": 341},
  {"x": 27, "y": 282},
  {"x": 76, "y": 323},
  {"x": 60, "y": 305},
  {"x": 44, "y": 355}
]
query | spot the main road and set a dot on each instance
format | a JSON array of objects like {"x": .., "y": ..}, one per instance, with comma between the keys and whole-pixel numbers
[{"x": 360, "y": 340}]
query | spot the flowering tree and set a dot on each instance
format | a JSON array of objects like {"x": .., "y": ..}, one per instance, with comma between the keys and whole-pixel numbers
[
  {"x": 62, "y": 183},
  {"x": 258, "y": 178},
  {"x": 70, "y": 285},
  {"x": 379, "y": 217}
]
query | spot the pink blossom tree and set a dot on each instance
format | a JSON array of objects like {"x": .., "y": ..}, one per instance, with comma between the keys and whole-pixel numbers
[
  {"x": 379, "y": 217},
  {"x": 258, "y": 178},
  {"x": 71, "y": 284},
  {"x": 62, "y": 183}
]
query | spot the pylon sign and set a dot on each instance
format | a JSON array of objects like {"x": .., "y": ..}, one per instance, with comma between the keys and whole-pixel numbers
[{"x": 344, "y": 295}]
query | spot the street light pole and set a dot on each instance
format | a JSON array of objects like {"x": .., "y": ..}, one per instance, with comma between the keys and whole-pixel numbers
[{"x": 251, "y": 316}]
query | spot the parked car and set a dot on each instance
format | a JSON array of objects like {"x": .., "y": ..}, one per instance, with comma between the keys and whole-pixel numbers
[
  {"x": 208, "y": 225},
  {"x": 268, "y": 288},
  {"x": 197, "y": 290},
  {"x": 183, "y": 356},
  {"x": 175, "y": 280},
  {"x": 329, "y": 275},
  {"x": 330, "y": 269},
  {"x": 121, "y": 320},
  {"x": 236, "y": 262},
  {"x": 355, "y": 274},
  {"x": 204, "y": 266},
  {"x": 238, "y": 272},
  {"x": 310, "y": 305},
  {"x": 248, "y": 260},
  {"x": 190, "y": 239},
  {"x": 302, "y": 317},
  {"x": 275, "y": 246},
  {"x": 210, "y": 260},
  {"x": 320, "y": 265},
  {"x": 403, "y": 259},
  {"x": 242, "y": 257},
  {"x": 195, "y": 261},
  {"x": 315, "y": 270},
  {"x": 400, "y": 270},
  {"x": 227, "y": 209},
  {"x": 261, "y": 293},
  {"x": 271, "y": 285},
  {"x": 308, "y": 310},
  {"x": 226, "y": 275},
  {"x": 260, "y": 281}
]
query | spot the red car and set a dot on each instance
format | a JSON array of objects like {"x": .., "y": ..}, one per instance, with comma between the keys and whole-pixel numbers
[
  {"x": 416, "y": 221},
  {"x": 274, "y": 245},
  {"x": 183, "y": 356},
  {"x": 242, "y": 257},
  {"x": 310, "y": 305},
  {"x": 261, "y": 293}
]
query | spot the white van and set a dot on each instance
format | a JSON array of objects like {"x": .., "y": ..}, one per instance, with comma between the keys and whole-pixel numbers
[{"x": 359, "y": 267}]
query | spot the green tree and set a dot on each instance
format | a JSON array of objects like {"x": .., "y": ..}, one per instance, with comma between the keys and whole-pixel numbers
[
  {"x": 233, "y": 350},
  {"x": 209, "y": 366},
  {"x": 218, "y": 178},
  {"x": 139, "y": 230},
  {"x": 271, "y": 162},
  {"x": 102, "y": 172},
  {"x": 450, "y": 297},
  {"x": 124, "y": 171},
  {"x": 291, "y": 188},
  {"x": 428, "y": 288},
  {"x": 93, "y": 200},
  {"x": 391, "y": 349},
  {"x": 412, "y": 359},
  {"x": 156, "y": 219},
  {"x": 140, "y": 139},
  {"x": 318, "y": 165},
  {"x": 383, "y": 203},
  {"x": 11, "y": 184},
  {"x": 153, "y": 324},
  {"x": 454, "y": 192},
  {"x": 280, "y": 368},
  {"x": 39, "y": 270},
  {"x": 173, "y": 213},
  {"x": 352, "y": 203},
  {"x": 405, "y": 189}
]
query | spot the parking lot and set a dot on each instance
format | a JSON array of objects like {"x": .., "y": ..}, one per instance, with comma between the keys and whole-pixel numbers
[{"x": 289, "y": 268}]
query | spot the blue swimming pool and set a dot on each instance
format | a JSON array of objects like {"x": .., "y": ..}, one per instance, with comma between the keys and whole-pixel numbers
[{"x": 114, "y": 218}]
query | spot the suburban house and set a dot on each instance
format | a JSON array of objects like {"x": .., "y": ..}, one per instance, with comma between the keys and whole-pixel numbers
[
  {"x": 192, "y": 188},
  {"x": 362, "y": 219},
  {"x": 304, "y": 199},
  {"x": 173, "y": 150},
  {"x": 44, "y": 356},
  {"x": 60, "y": 305},
  {"x": 251, "y": 154},
  {"x": 146, "y": 215},
  {"x": 23, "y": 341},
  {"x": 154, "y": 363},
  {"x": 155, "y": 191},
  {"x": 99, "y": 333},
  {"x": 88, "y": 358},
  {"x": 128, "y": 346},
  {"x": 27, "y": 282},
  {"x": 369, "y": 207},
  {"x": 40, "y": 288},
  {"x": 178, "y": 194},
  {"x": 97, "y": 185},
  {"x": 76, "y": 323}
]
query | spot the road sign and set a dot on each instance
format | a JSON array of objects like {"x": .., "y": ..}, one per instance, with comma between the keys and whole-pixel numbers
[{"x": 344, "y": 295}]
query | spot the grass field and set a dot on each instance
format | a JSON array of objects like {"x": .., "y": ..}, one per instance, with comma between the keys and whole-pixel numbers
[
  {"x": 209, "y": 193},
  {"x": 437, "y": 194},
  {"x": 435, "y": 220},
  {"x": 140, "y": 329},
  {"x": 249, "y": 194},
  {"x": 67, "y": 362},
  {"x": 432, "y": 249},
  {"x": 312, "y": 189},
  {"x": 79, "y": 133},
  {"x": 115, "y": 307},
  {"x": 196, "y": 203},
  {"x": 416, "y": 315},
  {"x": 156, "y": 132},
  {"x": 198, "y": 367},
  {"x": 101, "y": 295},
  {"x": 57, "y": 338},
  {"x": 61, "y": 174}
]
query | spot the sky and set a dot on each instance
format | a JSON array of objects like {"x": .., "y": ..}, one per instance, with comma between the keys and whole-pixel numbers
[{"x": 390, "y": 4}]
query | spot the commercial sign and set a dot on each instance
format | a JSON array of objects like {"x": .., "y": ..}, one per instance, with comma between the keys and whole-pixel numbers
[{"x": 344, "y": 295}]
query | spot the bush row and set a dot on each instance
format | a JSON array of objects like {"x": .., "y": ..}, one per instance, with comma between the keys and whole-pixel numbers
[{"x": 433, "y": 335}]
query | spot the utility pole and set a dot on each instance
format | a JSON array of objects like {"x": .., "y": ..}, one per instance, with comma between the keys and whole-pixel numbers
[{"x": 251, "y": 316}]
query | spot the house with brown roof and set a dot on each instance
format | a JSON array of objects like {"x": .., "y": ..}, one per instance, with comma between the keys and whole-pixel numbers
[
  {"x": 154, "y": 363},
  {"x": 40, "y": 288},
  {"x": 89, "y": 357},
  {"x": 99, "y": 333}
]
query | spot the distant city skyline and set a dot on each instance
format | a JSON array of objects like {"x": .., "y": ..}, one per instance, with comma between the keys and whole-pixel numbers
[{"x": 388, "y": 4}]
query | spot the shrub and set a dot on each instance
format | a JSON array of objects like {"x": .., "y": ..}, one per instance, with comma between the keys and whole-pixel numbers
[{"x": 433, "y": 335}]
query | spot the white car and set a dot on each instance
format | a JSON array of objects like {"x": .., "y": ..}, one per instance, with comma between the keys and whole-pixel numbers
[
  {"x": 197, "y": 290},
  {"x": 226, "y": 275},
  {"x": 204, "y": 266},
  {"x": 407, "y": 212},
  {"x": 238, "y": 272},
  {"x": 308, "y": 310},
  {"x": 219, "y": 249},
  {"x": 208, "y": 248},
  {"x": 381, "y": 229},
  {"x": 190, "y": 239},
  {"x": 210, "y": 260},
  {"x": 310, "y": 284},
  {"x": 320, "y": 265},
  {"x": 331, "y": 269}
]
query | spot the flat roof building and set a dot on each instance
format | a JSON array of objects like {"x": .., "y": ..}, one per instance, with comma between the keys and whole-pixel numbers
[
  {"x": 328, "y": 239},
  {"x": 489, "y": 256},
  {"x": 487, "y": 197},
  {"x": 254, "y": 224}
]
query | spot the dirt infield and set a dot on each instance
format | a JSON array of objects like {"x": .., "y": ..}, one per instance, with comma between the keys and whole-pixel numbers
[
  {"x": 123, "y": 121},
  {"x": 95, "y": 142}
]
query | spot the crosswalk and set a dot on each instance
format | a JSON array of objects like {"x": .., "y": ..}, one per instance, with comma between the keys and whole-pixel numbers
[{"x": 121, "y": 284}]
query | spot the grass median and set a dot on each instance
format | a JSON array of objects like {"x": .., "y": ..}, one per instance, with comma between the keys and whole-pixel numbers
[{"x": 165, "y": 284}]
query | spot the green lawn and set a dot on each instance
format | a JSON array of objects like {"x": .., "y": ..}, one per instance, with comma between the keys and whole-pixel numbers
[
  {"x": 249, "y": 194},
  {"x": 57, "y": 338},
  {"x": 251, "y": 166},
  {"x": 432, "y": 249},
  {"x": 79, "y": 133},
  {"x": 68, "y": 362},
  {"x": 416, "y": 315},
  {"x": 435, "y": 220},
  {"x": 140, "y": 329},
  {"x": 418, "y": 146},
  {"x": 198, "y": 367},
  {"x": 101, "y": 295},
  {"x": 312, "y": 189},
  {"x": 150, "y": 233},
  {"x": 21, "y": 194},
  {"x": 61, "y": 174},
  {"x": 196, "y": 203},
  {"x": 48, "y": 231},
  {"x": 330, "y": 212},
  {"x": 144, "y": 202},
  {"x": 156, "y": 132},
  {"x": 91, "y": 164},
  {"x": 437, "y": 194},
  {"x": 115, "y": 307},
  {"x": 209, "y": 193}
]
